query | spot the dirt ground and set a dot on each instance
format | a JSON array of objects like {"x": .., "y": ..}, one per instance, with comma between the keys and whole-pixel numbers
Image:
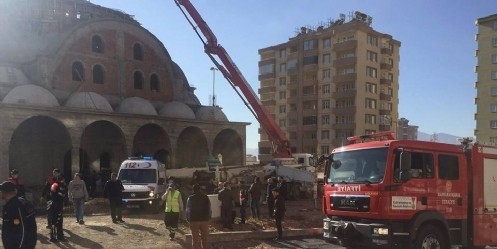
[{"x": 145, "y": 230}]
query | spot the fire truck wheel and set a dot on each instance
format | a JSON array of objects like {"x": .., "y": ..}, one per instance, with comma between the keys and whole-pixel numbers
[{"x": 430, "y": 236}]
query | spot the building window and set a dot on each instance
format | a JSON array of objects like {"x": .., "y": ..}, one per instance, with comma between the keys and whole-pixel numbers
[
  {"x": 325, "y": 134},
  {"x": 309, "y": 105},
  {"x": 282, "y": 53},
  {"x": 494, "y": 58},
  {"x": 325, "y": 150},
  {"x": 326, "y": 74},
  {"x": 495, "y": 25},
  {"x": 326, "y": 89},
  {"x": 325, "y": 119},
  {"x": 97, "y": 45},
  {"x": 309, "y": 120},
  {"x": 372, "y": 56},
  {"x": 310, "y": 60},
  {"x": 154, "y": 83},
  {"x": 266, "y": 69},
  {"x": 371, "y": 72},
  {"x": 370, "y": 87},
  {"x": 370, "y": 119},
  {"x": 493, "y": 124},
  {"x": 493, "y": 140},
  {"x": 308, "y": 45},
  {"x": 283, "y": 68},
  {"x": 282, "y": 108},
  {"x": 494, "y": 42},
  {"x": 282, "y": 122},
  {"x": 283, "y": 95},
  {"x": 137, "y": 52},
  {"x": 282, "y": 81},
  {"x": 372, "y": 41},
  {"x": 370, "y": 104},
  {"x": 326, "y": 104},
  {"x": 494, "y": 75},
  {"x": 98, "y": 74},
  {"x": 493, "y": 91},
  {"x": 326, "y": 59},
  {"x": 493, "y": 107},
  {"x": 327, "y": 43},
  {"x": 291, "y": 64},
  {"x": 78, "y": 71},
  {"x": 138, "y": 80}
]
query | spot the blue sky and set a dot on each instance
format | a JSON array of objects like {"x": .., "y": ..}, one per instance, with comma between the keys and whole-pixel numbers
[{"x": 436, "y": 56}]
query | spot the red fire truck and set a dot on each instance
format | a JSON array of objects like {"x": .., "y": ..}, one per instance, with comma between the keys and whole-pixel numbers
[{"x": 386, "y": 193}]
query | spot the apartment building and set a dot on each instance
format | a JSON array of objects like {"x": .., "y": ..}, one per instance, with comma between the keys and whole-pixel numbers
[
  {"x": 486, "y": 82},
  {"x": 330, "y": 82}
]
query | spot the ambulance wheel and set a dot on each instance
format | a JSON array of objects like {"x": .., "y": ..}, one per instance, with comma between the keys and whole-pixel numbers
[{"x": 430, "y": 236}]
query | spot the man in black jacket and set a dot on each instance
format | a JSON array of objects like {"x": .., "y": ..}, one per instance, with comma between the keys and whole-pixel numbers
[
  {"x": 226, "y": 198},
  {"x": 198, "y": 213},
  {"x": 113, "y": 190},
  {"x": 45, "y": 193},
  {"x": 58, "y": 193},
  {"x": 279, "y": 211},
  {"x": 19, "y": 224}
]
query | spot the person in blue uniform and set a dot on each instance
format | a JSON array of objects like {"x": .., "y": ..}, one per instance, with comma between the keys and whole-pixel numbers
[{"x": 19, "y": 224}]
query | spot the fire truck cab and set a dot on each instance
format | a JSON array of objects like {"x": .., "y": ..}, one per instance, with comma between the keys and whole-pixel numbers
[{"x": 410, "y": 194}]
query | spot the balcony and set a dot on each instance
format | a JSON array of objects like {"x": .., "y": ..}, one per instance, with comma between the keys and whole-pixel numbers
[
  {"x": 266, "y": 76},
  {"x": 344, "y": 94},
  {"x": 385, "y": 81},
  {"x": 343, "y": 126},
  {"x": 311, "y": 67},
  {"x": 347, "y": 45},
  {"x": 387, "y": 51},
  {"x": 384, "y": 96},
  {"x": 384, "y": 127},
  {"x": 267, "y": 89},
  {"x": 268, "y": 102},
  {"x": 385, "y": 112},
  {"x": 345, "y": 77},
  {"x": 386, "y": 66},
  {"x": 292, "y": 71},
  {"x": 345, "y": 61},
  {"x": 344, "y": 110}
]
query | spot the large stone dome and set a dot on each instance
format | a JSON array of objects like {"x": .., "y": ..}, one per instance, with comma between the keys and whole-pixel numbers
[
  {"x": 136, "y": 105},
  {"x": 211, "y": 113},
  {"x": 31, "y": 95},
  {"x": 12, "y": 76},
  {"x": 176, "y": 109},
  {"x": 89, "y": 100}
]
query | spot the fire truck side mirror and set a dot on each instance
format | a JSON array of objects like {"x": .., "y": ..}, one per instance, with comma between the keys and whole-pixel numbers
[{"x": 405, "y": 166}]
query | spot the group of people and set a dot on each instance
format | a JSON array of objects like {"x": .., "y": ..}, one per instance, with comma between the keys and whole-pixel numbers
[
  {"x": 275, "y": 199},
  {"x": 19, "y": 224}
]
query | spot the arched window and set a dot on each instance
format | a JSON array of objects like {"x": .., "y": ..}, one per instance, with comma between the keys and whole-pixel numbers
[
  {"x": 97, "y": 45},
  {"x": 138, "y": 80},
  {"x": 137, "y": 52},
  {"x": 78, "y": 71},
  {"x": 98, "y": 74},
  {"x": 154, "y": 83}
]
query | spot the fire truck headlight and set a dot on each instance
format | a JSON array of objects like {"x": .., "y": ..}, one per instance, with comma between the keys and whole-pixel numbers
[
  {"x": 380, "y": 230},
  {"x": 151, "y": 194}
]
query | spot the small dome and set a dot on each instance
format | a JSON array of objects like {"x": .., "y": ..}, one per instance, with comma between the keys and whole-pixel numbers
[
  {"x": 31, "y": 95},
  {"x": 176, "y": 109},
  {"x": 210, "y": 113},
  {"x": 89, "y": 100},
  {"x": 136, "y": 105},
  {"x": 12, "y": 76}
]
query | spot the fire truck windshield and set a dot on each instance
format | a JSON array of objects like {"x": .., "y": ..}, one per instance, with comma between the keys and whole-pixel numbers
[{"x": 358, "y": 166}]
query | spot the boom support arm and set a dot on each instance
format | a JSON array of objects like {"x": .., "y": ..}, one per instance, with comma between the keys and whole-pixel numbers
[{"x": 227, "y": 67}]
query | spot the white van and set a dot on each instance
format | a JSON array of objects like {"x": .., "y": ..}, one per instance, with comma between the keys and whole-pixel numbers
[{"x": 143, "y": 179}]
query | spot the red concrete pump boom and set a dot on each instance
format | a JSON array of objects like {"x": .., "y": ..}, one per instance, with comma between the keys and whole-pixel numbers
[{"x": 281, "y": 147}]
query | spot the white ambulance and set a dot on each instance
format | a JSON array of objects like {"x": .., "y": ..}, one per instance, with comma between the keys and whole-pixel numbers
[{"x": 144, "y": 182}]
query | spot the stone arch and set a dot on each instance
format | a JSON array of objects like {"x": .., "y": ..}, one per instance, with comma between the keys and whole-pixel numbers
[
  {"x": 152, "y": 140},
  {"x": 102, "y": 141},
  {"x": 229, "y": 144},
  {"x": 38, "y": 145},
  {"x": 192, "y": 149}
]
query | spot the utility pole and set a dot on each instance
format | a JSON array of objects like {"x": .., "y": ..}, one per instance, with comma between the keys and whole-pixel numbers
[{"x": 213, "y": 69}]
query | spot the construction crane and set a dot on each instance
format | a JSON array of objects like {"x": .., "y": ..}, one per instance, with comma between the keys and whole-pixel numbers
[{"x": 280, "y": 145}]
